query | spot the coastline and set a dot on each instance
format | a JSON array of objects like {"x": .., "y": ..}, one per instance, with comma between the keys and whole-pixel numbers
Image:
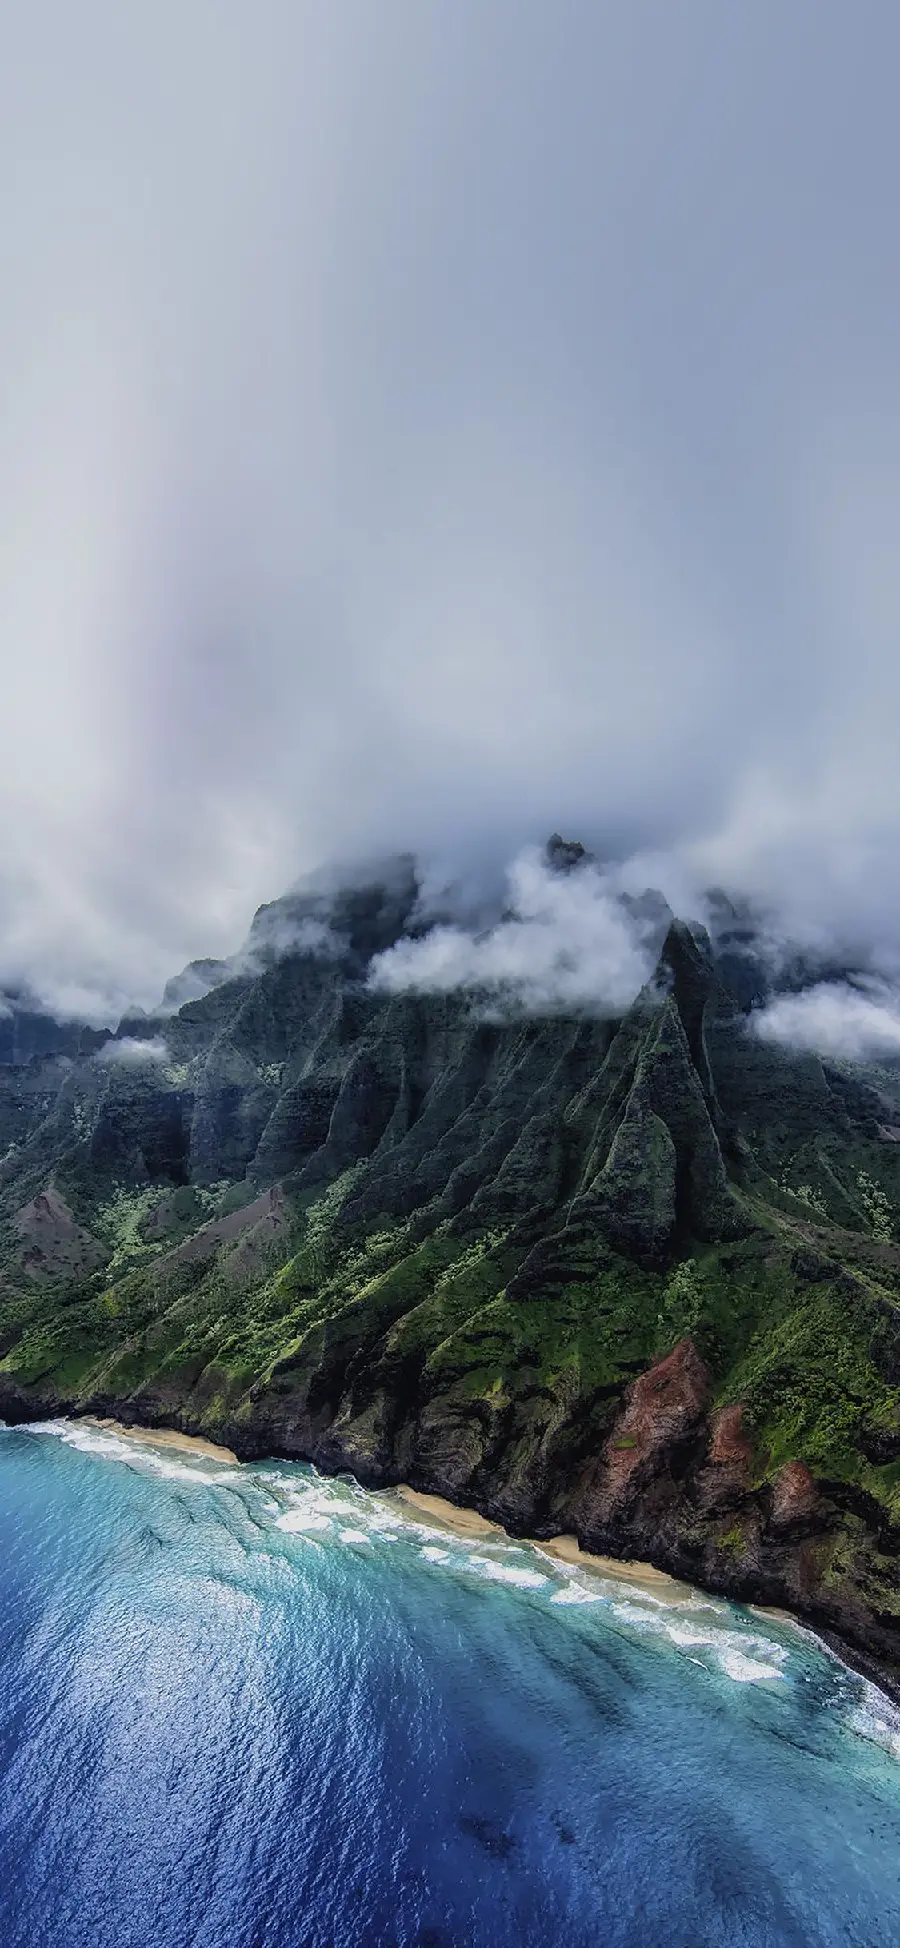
[
  {"x": 463, "y": 1521},
  {"x": 170, "y": 1437},
  {"x": 857, "y": 1656},
  {"x": 644, "y": 1575},
  {"x": 661, "y": 1583},
  {"x": 564, "y": 1548}
]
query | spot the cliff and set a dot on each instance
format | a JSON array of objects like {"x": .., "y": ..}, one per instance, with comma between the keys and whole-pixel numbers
[{"x": 634, "y": 1278}]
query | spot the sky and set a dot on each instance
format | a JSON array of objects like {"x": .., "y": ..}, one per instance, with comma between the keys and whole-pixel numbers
[{"x": 432, "y": 424}]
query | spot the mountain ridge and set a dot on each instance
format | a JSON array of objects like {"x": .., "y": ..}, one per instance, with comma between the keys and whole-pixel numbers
[{"x": 635, "y": 1278}]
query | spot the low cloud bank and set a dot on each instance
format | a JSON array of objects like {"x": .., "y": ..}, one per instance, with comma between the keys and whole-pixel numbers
[
  {"x": 566, "y": 942},
  {"x": 853, "y": 1022},
  {"x": 546, "y": 545},
  {"x": 130, "y": 1052},
  {"x": 276, "y": 933}
]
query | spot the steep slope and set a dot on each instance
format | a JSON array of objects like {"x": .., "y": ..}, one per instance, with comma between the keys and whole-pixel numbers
[{"x": 635, "y": 1279}]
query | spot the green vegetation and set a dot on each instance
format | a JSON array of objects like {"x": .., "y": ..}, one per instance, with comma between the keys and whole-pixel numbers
[
  {"x": 876, "y": 1207},
  {"x": 400, "y": 1237}
]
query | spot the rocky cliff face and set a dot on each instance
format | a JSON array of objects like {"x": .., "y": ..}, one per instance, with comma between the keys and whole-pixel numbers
[{"x": 616, "y": 1277}]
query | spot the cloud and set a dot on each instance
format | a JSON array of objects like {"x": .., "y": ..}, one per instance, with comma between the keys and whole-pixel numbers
[
  {"x": 434, "y": 425},
  {"x": 274, "y": 934},
  {"x": 130, "y": 1052},
  {"x": 194, "y": 981},
  {"x": 834, "y": 1019},
  {"x": 565, "y": 943},
  {"x": 277, "y": 931}
]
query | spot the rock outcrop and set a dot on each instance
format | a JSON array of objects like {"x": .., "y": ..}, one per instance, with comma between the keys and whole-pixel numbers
[
  {"x": 616, "y": 1278},
  {"x": 52, "y": 1244}
]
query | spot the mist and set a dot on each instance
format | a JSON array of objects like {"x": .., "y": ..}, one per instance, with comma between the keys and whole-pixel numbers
[
  {"x": 128, "y": 1052},
  {"x": 429, "y": 426},
  {"x": 836, "y": 1019},
  {"x": 566, "y": 944}
]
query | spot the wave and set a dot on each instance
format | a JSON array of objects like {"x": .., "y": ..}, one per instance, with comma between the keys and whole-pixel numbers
[
  {"x": 139, "y": 1453},
  {"x": 294, "y": 1501}
]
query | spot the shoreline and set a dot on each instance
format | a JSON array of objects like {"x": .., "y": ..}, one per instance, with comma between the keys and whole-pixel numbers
[
  {"x": 626, "y": 1569},
  {"x": 463, "y": 1521},
  {"x": 659, "y": 1583},
  {"x": 632, "y": 1572},
  {"x": 562, "y": 1548},
  {"x": 857, "y": 1657},
  {"x": 169, "y": 1437}
]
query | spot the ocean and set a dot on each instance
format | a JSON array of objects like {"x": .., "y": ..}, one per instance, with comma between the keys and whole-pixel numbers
[{"x": 249, "y": 1707}]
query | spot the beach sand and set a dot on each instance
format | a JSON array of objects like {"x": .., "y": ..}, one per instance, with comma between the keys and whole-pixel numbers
[
  {"x": 566, "y": 1548},
  {"x": 465, "y": 1521},
  {"x": 166, "y": 1437}
]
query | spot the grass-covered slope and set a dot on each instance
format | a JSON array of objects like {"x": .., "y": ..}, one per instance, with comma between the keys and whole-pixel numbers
[{"x": 639, "y": 1279}]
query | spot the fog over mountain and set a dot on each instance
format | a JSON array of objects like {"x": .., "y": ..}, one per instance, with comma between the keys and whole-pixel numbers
[{"x": 427, "y": 427}]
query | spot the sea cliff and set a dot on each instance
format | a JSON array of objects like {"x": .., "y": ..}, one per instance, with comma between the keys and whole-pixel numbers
[{"x": 635, "y": 1279}]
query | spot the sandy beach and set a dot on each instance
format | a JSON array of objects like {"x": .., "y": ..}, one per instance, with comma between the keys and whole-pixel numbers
[
  {"x": 465, "y": 1521},
  {"x": 166, "y": 1437},
  {"x": 462, "y": 1521},
  {"x": 566, "y": 1548}
]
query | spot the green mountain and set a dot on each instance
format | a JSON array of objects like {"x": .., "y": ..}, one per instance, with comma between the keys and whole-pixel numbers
[{"x": 635, "y": 1280}]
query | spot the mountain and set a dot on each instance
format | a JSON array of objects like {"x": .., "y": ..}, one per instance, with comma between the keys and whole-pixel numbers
[{"x": 635, "y": 1279}]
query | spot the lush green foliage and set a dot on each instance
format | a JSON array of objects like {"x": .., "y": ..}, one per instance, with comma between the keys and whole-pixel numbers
[{"x": 482, "y": 1232}]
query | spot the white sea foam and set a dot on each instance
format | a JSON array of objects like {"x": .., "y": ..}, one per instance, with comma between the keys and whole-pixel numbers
[
  {"x": 302, "y": 1521},
  {"x": 76, "y": 1434},
  {"x": 684, "y": 1635},
  {"x": 745, "y": 1670},
  {"x": 427, "y": 1532},
  {"x": 877, "y": 1719},
  {"x": 732, "y": 1650},
  {"x": 141, "y": 1455},
  {"x": 502, "y": 1572},
  {"x": 178, "y": 1471},
  {"x": 313, "y": 1505},
  {"x": 632, "y": 1613}
]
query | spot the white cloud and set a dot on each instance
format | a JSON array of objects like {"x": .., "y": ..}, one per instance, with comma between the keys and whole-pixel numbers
[
  {"x": 836, "y": 1019},
  {"x": 131, "y": 1052},
  {"x": 277, "y": 932},
  {"x": 566, "y": 942},
  {"x": 416, "y": 451}
]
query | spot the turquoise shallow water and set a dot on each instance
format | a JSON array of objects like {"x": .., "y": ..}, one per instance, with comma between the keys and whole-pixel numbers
[{"x": 249, "y": 1708}]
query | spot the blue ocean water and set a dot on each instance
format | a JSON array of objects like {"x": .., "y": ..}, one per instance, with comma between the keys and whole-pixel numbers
[{"x": 249, "y": 1708}]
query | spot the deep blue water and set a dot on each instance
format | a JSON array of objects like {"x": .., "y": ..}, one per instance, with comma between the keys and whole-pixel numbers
[{"x": 247, "y": 1708}]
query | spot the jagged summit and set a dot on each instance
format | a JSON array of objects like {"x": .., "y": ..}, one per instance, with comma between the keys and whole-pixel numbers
[
  {"x": 396, "y": 1232},
  {"x": 355, "y": 915},
  {"x": 563, "y": 855},
  {"x": 348, "y": 916},
  {"x": 194, "y": 980}
]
